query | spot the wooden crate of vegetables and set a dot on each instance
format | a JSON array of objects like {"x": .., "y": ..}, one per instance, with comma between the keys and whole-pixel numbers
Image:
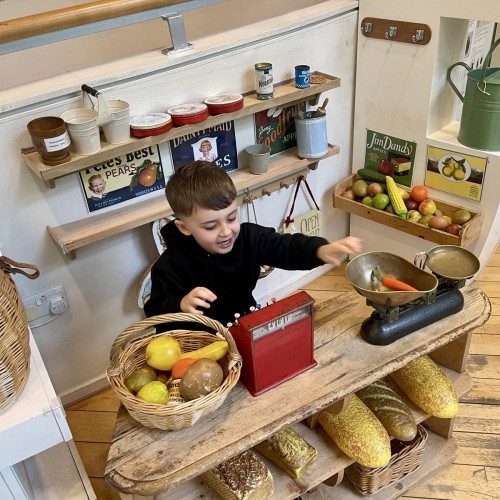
[{"x": 453, "y": 224}]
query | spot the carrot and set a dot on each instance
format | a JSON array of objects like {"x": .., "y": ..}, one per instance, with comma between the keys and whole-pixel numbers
[{"x": 396, "y": 285}]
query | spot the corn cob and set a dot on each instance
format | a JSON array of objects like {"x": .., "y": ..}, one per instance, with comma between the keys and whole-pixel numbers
[{"x": 396, "y": 199}]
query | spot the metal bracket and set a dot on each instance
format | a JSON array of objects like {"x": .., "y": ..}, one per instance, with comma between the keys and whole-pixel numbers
[{"x": 177, "y": 34}]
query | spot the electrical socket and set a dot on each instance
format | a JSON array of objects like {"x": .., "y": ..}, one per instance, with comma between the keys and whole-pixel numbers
[{"x": 43, "y": 307}]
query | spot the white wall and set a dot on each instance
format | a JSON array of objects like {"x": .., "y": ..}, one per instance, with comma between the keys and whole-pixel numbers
[
  {"x": 408, "y": 97},
  {"x": 101, "y": 283}
]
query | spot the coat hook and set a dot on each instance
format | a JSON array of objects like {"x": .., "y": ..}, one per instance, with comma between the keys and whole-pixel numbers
[
  {"x": 266, "y": 192},
  {"x": 366, "y": 28},
  {"x": 393, "y": 31},
  {"x": 284, "y": 184},
  {"x": 418, "y": 36}
]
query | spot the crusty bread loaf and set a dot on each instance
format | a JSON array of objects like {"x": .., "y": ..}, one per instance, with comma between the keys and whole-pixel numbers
[
  {"x": 243, "y": 477},
  {"x": 428, "y": 387},
  {"x": 390, "y": 409},
  {"x": 289, "y": 451},
  {"x": 358, "y": 433}
]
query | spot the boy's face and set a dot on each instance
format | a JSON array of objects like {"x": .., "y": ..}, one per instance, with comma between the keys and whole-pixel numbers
[{"x": 214, "y": 230}]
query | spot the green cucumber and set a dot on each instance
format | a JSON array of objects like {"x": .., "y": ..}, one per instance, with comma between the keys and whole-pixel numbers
[{"x": 371, "y": 175}]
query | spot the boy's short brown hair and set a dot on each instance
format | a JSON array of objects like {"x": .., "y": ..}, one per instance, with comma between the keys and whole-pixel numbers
[{"x": 199, "y": 184}]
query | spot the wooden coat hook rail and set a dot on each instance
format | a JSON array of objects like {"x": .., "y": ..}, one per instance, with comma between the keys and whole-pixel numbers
[{"x": 396, "y": 31}]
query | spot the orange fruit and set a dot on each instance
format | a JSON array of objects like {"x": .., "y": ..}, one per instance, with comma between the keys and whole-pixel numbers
[{"x": 180, "y": 367}]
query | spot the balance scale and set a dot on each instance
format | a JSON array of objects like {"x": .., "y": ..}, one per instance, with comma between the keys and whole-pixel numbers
[
  {"x": 276, "y": 342},
  {"x": 398, "y": 314}
]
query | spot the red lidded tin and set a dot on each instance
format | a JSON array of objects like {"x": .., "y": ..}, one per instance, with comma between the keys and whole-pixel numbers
[
  {"x": 184, "y": 114},
  {"x": 151, "y": 124},
  {"x": 224, "y": 103}
]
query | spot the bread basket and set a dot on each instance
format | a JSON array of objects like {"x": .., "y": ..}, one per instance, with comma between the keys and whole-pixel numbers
[
  {"x": 406, "y": 458},
  {"x": 128, "y": 353}
]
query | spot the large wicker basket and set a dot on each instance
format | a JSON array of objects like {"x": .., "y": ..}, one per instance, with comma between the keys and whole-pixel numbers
[
  {"x": 14, "y": 333},
  {"x": 128, "y": 354},
  {"x": 406, "y": 458}
]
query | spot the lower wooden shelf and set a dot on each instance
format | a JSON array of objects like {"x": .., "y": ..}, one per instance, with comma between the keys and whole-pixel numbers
[
  {"x": 283, "y": 171},
  {"x": 331, "y": 461}
]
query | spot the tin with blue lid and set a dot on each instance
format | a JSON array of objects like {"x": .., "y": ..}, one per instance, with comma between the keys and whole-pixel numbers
[{"x": 302, "y": 76}]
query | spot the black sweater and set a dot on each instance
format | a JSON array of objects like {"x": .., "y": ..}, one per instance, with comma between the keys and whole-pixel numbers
[{"x": 184, "y": 265}]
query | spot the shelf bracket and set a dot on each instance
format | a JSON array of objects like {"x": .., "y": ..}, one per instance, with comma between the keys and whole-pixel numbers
[
  {"x": 177, "y": 34},
  {"x": 396, "y": 31}
]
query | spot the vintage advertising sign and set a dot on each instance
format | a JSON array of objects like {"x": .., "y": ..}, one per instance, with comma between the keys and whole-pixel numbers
[
  {"x": 122, "y": 178},
  {"x": 390, "y": 156},
  {"x": 214, "y": 144},
  {"x": 455, "y": 173},
  {"x": 275, "y": 127}
]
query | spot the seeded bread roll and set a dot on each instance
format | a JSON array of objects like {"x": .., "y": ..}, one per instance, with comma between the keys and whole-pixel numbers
[
  {"x": 289, "y": 451},
  {"x": 390, "y": 409},
  {"x": 358, "y": 433},
  {"x": 428, "y": 387},
  {"x": 243, "y": 477}
]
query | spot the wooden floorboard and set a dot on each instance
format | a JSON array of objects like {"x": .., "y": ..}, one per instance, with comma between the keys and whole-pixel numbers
[{"x": 475, "y": 473}]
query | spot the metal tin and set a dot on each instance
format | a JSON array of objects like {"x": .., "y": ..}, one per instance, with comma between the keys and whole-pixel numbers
[
  {"x": 151, "y": 124},
  {"x": 224, "y": 103},
  {"x": 302, "y": 76},
  {"x": 185, "y": 114},
  {"x": 264, "y": 81}
]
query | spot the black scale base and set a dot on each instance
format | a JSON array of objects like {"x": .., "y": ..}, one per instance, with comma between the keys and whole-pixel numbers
[{"x": 378, "y": 330}]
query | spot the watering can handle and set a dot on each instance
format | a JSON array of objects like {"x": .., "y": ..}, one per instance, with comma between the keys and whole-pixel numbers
[
  {"x": 448, "y": 77},
  {"x": 89, "y": 90},
  {"x": 487, "y": 61}
]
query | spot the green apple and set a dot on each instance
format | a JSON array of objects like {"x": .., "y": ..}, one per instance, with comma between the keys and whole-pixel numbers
[
  {"x": 381, "y": 201},
  {"x": 368, "y": 201}
]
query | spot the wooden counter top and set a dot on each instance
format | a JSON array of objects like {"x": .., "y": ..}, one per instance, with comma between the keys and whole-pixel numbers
[{"x": 148, "y": 461}]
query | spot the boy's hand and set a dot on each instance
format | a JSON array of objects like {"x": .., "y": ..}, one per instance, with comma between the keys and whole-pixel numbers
[
  {"x": 197, "y": 297},
  {"x": 336, "y": 252}
]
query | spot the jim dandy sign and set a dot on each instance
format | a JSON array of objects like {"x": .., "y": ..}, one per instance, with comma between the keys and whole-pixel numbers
[{"x": 390, "y": 156}]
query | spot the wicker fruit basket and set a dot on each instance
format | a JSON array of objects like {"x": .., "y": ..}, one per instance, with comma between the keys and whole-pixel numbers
[
  {"x": 14, "y": 333},
  {"x": 406, "y": 458},
  {"x": 128, "y": 353}
]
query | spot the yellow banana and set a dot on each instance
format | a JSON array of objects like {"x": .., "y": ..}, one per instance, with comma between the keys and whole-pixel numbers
[{"x": 216, "y": 350}]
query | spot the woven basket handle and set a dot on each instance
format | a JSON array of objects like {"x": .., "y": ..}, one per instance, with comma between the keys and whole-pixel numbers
[
  {"x": 10, "y": 266},
  {"x": 137, "y": 329}
]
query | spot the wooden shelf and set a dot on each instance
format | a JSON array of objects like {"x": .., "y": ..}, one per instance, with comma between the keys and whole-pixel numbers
[
  {"x": 284, "y": 93},
  {"x": 469, "y": 232},
  {"x": 283, "y": 171},
  {"x": 137, "y": 464}
]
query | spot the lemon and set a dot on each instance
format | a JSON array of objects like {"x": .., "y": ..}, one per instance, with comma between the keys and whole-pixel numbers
[
  {"x": 139, "y": 378},
  {"x": 154, "y": 392}
]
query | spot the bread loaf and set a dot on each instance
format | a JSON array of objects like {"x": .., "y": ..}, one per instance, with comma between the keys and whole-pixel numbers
[
  {"x": 243, "y": 477},
  {"x": 358, "y": 433},
  {"x": 289, "y": 451},
  {"x": 390, "y": 409},
  {"x": 428, "y": 387}
]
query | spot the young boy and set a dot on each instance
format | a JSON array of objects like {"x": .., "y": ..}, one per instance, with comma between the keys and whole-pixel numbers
[{"x": 212, "y": 262}]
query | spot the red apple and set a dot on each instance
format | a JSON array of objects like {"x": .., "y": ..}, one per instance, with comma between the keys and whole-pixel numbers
[
  {"x": 411, "y": 204},
  {"x": 454, "y": 229},
  {"x": 427, "y": 207}
]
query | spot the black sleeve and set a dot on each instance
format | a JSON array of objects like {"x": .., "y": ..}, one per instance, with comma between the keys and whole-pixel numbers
[{"x": 293, "y": 252}]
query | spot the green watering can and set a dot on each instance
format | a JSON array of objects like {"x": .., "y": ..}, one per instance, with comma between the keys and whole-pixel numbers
[{"x": 480, "y": 123}]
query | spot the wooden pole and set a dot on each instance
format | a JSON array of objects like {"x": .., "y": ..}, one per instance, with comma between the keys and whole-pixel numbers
[{"x": 70, "y": 17}]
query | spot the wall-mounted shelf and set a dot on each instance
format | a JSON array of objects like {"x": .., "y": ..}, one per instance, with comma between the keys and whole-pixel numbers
[
  {"x": 284, "y": 93},
  {"x": 283, "y": 171}
]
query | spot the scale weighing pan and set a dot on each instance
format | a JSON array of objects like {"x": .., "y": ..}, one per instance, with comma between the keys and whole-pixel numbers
[
  {"x": 359, "y": 270},
  {"x": 449, "y": 261}
]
